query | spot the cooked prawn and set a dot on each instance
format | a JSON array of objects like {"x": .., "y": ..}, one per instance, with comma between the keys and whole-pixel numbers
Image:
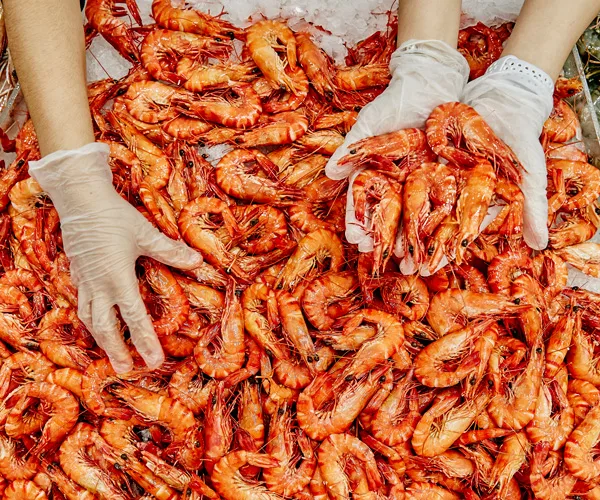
[
  {"x": 280, "y": 128},
  {"x": 191, "y": 20},
  {"x": 562, "y": 124},
  {"x": 582, "y": 182},
  {"x": 463, "y": 125}
]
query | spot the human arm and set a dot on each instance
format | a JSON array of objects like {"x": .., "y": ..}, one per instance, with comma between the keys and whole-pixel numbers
[
  {"x": 427, "y": 70},
  {"x": 103, "y": 235},
  {"x": 515, "y": 95},
  {"x": 48, "y": 50}
]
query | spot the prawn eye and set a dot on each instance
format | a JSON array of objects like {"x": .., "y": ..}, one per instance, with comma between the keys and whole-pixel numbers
[
  {"x": 218, "y": 39},
  {"x": 197, "y": 444},
  {"x": 117, "y": 466},
  {"x": 357, "y": 108},
  {"x": 201, "y": 144},
  {"x": 214, "y": 400},
  {"x": 181, "y": 152},
  {"x": 255, "y": 71},
  {"x": 121, "y": 91},
  {"x": 411, "y": 249},
  {"x": 382, "y": 379},
  {"x": 280, "y": 411},
  {"x": 473, "y": 381},
  {"x": 230, "y": 34},
  {"x": 517, "y": 301},
  {"x": 348, "y": 378},
  {"x": 269, "y": 353},
  {"x": 385, "y": 254},
  {"x": 464, "y": 243},
  {"x": 316, "y": 357},
  {"x": 576, "y": 308},
  {"x": 238, "y": 140},
  {"x": 490, "y": 383},
  {"x": 328, "y": 95},
  {"x": 575, "y": 288},
  {"x": 253, "y": 222},
  {"x": 509, "y": 384},
  {"x": 568, "y": 306},
  {"x": 597, "y": 210},
  {"x": 20, "y": 163},
  {"x": 539, "y": 350},
  {"x": 430, "y": 251},
  {"x": 282, "y": 87},
  {"x": 309, "y": 359},
  {"x": 190, "y": 163},
  {"x": 352, "y": 151},
  {"x": 124, "y": 456}
]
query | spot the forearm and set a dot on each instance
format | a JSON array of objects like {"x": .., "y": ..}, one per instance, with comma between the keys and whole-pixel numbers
[
  {"x": 547, "y": 30},
  {"x": 429, "y": 20},
  {"x": 47, "y": 46}
]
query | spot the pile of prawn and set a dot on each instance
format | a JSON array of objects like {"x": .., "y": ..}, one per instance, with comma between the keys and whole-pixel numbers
[{"x": 297, "y": 367}]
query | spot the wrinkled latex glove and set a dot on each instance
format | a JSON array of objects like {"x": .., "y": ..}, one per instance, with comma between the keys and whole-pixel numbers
[
  {"x": 425, "y": 74},
  {"x": 515, "y": 99},
  {"x": 103, "y": 235}
]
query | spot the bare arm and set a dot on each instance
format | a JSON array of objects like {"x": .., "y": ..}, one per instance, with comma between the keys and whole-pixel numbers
[
  {"x": 46, "y": 41},
  {"x": 546, "y": 31},
  {"x": 429, "y": 20}
]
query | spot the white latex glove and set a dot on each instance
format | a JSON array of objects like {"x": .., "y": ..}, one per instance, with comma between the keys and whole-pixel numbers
[
  {"x": 103, "y": 235},
  {"x": 515, "y": 99},
  {"x": 425, "y": 74}
]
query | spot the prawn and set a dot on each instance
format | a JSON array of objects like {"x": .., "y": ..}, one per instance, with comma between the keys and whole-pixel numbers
[
  {"x": 154, "y": 163},
  {"x": 321, "y": 141},
  {"x": 579, "y": 455},
  {"x": 472, "y": 206},
  {"x": 191, "y": 20},
  {"x": 197, "y": 226},
  {"x": 560, "y": 339},
  {"x": 238, "y": 106},
  {"x": 319, "y": 421},
  {"x": 557, "y": 488},
  {"x": 510, "y": 458},
  {"x": 451, "y": 358},
  {"x": 463, "y": 125},
  {"x": 334, "y": 452},
  {"x": 200, "y": 76},
  {"x": 280, "y": 128},
  {"x": 448, "y": 310},
  {"x": 383, "y": 197},
  {"x": 445, "y": 421},
  {"x": 396, "y": 418},
  {"x": 22, "y": 489},
  {"x": 160, "y": 48},
  {"x": 407, "y": 296},
  {"x": 187, "y": 440},
  {"x": 159, "y": 209},
  {"x": 173, "y": 305},
  {"x": 514, "y": 407},
  {"x": 295, "y": 470},
  {"x": 229, "y": 483},
  {"x": 316, "y": 64},
  {"x": 584, "y": 256},
  {"x": 551, "y": 427},
  {"x": 319, "y": 247},
  {"x": 102, "y": 16},
  {"x": 388, "y": 339},
  {"x": 238, "y": 174},
  {"x": 74, "y": 460},
  {"x": 353, "y": 78},
  {"x": 63, "y": 414},
  {"x": 229, "y": 358},
  {"x": 217, "y": 429},
  {"x": 582, "y": 182},
  {"x": 429, "y": 196},
  {"x": 408, "y": 147},
  {"x": 330, "y": 296},
  {"x": 262, "y": 38},
  {"x": 562, "y": 124},
  {"x": 507, "y": 267}
]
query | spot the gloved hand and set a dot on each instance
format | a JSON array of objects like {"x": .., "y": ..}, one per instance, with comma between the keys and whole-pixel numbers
[
  {"x": 103, "y": 236},
  {"x": 515, "y": 99},
  {"x": 425, "y": 74}
]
